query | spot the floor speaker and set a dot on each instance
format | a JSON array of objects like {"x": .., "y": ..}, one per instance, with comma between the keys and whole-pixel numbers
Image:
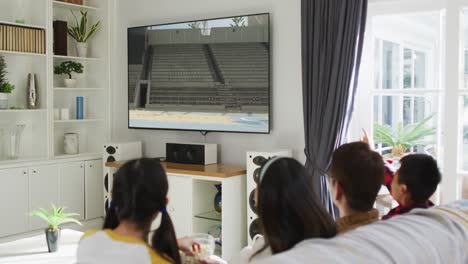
[{"x": 255, "y": 161}]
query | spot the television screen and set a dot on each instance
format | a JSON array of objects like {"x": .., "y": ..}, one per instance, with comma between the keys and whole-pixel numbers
[{"x": 206, "y": 75}]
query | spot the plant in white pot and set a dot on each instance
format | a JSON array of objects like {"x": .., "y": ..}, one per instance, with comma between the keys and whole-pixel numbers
[
  {"x": 81, "y": 33},
  {"x": 67, "y": 68},
  {"x": 5, "y": 87},
  {"x": 54, "y": 219}
]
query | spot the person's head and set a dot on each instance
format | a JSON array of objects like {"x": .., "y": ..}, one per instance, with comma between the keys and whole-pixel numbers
[
  {"x": 356, "y": 176},
  {"x": 288, "y": 209},
  {"x": 416, "y": 179},
  {"x": 139, "y": 194}
]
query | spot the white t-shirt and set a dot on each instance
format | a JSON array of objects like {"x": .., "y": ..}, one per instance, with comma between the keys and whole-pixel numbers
[
  {"x": 108, "y": 247},
  {"x": 247, "y": 252}
]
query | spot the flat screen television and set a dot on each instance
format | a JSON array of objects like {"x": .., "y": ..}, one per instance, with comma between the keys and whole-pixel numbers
[{"x": 205, "y": 75}]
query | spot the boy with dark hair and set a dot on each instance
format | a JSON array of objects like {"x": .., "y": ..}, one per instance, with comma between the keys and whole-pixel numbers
[
  {"x": 356, "y": 176},
  {"x": 414, "y": 183}
]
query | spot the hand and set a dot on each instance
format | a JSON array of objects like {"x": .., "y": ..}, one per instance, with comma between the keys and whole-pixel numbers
[
  {"x": 188, "y": 246},
  {"x": 365, "y": 137}
]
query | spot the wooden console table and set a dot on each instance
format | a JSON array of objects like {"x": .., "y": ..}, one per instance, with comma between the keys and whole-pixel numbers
[
  {"x": 191, "y": 207},
  {"x": 212, "y": 170}
]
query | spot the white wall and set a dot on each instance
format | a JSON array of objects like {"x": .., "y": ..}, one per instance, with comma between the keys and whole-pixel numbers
[{"x": 287, "y": 123}]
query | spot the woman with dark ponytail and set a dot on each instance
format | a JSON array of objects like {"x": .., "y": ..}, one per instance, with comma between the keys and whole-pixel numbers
[{"x": 139, "y": 195}]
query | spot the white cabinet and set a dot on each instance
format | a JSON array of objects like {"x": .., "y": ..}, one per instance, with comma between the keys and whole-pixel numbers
[
  {"x": 180, "y": 204},
  {"x": 71, "y": 189},
  {"x": 94, "y": 189},
  {"x": 43, "y": 191},
  {"x": 77, "y": 185},
  {"x": 14, "y": 201}
]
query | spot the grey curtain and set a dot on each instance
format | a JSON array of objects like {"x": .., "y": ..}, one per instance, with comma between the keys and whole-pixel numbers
[{"x": 332, "y": 40}]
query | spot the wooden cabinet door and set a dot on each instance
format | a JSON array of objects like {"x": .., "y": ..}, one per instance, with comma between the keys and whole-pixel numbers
[
  {"x": 43, "y": 191},
  {"x": 94, "y": 189},
  {"x": 14, "y": 201},
  {"x": 72, "y": 183}
]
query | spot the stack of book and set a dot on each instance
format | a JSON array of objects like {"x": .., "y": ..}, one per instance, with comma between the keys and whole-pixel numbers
[{"x": 22, "y": 39}]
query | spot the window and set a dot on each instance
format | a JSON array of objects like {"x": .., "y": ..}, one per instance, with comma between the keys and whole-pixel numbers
[
  {"x": 405, "y": 91},
  {"x": 411, "y": 69}
]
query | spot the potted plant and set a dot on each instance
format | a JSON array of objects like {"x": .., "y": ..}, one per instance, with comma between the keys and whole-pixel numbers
[
  {"x": 402, "y": 137},
  {"x": 5, "y": 87},
  {"x": 81, "y": 33},
  {"x": 54, "y": 219},
  {"x": 69, "y": 67}
]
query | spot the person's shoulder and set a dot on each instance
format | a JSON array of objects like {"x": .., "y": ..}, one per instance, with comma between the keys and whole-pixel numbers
[
  {"x": 155, "y": 257},
  {"x": 89, "y": 233}
]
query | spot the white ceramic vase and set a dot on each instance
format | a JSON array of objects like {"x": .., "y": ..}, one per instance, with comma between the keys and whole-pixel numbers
[
  {"x": 71, "y": 143},
  {"x": 3, "y": 101},
  {"x": 82, "y": 49},
  {"x": 70, "y": 83}
]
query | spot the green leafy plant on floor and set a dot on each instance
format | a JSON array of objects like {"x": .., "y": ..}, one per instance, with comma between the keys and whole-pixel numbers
[
  {"x": 5, "y": 86},
  {"x": 56, "y": 217},
  {"x": 402, "y": 137},
  {"x": 80, "y": 30},
  {"x": 68, "y": 67}
]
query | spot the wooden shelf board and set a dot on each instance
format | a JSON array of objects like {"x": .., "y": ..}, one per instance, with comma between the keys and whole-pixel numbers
[
  {"x": 21, "y": 25},
  {"x": 212, "y": 170},
  {"x": 22, "y": 53},
  {"x": 76, "y": 58},
  {"x": 59, "y": 4}
]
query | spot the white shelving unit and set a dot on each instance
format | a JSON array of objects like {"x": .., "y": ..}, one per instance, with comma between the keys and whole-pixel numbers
[
  {"x": 43, "y": 173},
  {"x": 42, "y": 138}
]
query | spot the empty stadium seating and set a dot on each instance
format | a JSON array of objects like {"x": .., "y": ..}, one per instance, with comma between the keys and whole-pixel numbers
[{"x": 231, "y": 75}]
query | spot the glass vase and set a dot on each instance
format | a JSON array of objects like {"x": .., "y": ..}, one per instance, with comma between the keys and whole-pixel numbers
[{"x": 12, "y": 140}]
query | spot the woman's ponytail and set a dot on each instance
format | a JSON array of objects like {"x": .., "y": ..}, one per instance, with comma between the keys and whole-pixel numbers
[
  {"x": 164, "y": 239},
  {"x": 111, "y": 221}
]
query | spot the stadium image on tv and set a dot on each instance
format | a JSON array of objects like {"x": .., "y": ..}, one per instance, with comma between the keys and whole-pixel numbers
[{"x": 207, "y": 75}]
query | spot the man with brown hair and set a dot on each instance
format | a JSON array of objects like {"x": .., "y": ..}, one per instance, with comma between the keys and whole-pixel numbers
[{"x": 356, "y": 176}]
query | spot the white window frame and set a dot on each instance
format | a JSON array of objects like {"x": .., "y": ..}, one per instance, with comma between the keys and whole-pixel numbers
[{"x": 451, "y": 82}]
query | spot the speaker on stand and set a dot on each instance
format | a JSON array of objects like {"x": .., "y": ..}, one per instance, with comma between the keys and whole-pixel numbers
[
  {"x": 117, "y": 152},
  {"x": 255, "y": 160}
]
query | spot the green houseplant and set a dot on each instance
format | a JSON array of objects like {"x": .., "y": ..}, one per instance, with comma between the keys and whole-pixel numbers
[
  {"x": 5, "y": 87},
  {"x": 81, "y": 33},
  {"x": 54, "y": 219},
  {"x": 402, "y": 137},
  {"x": 67, "y": 68}
]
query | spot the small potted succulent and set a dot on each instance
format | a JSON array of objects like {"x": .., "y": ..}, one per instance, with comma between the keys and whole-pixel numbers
[
  {"x": 5, "y": 87},
  {"x": 54, "y": 219},
  {"x": 67, "y": 68},
  {"x": 82, "y": 34}
]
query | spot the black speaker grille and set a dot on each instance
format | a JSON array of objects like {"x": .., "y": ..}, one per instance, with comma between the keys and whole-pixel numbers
[
  {"x": 185, "y": 153},
  {"x": 110, "y": 159},
  {"x": 254, "y": 228},
  {"x": 259, "y": 160},
  {"x": 252, "y": 202},
  {"x": 111, "y": 150},
  {"x": 106, "y": 182}
]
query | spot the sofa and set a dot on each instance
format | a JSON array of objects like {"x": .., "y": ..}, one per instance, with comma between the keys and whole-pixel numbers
[{"x": 423, "y": 236}]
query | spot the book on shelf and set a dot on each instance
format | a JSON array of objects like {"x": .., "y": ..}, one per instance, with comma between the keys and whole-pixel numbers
[{"x": 22, "y": 39}]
